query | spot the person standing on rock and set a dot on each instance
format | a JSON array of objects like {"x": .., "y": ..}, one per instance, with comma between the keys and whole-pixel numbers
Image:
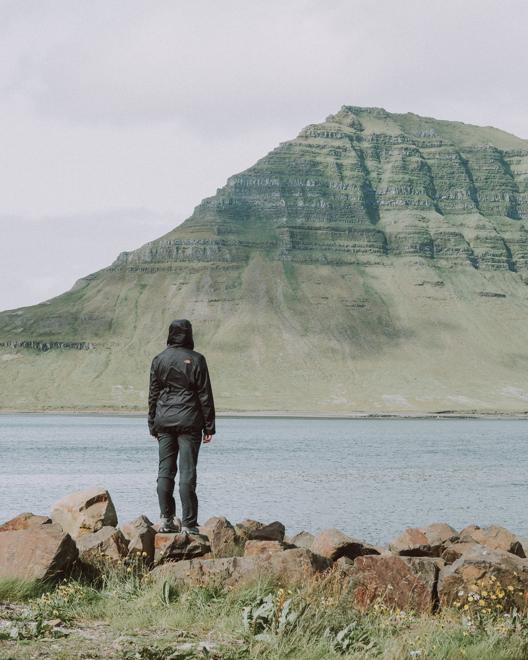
[{"x": 181, "y": 415}]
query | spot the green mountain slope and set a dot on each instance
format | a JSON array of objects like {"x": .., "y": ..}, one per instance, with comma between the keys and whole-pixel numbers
[{"x": 377, "y": 262}]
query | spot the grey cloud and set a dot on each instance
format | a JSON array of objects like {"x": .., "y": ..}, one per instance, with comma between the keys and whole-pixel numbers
[
  {"x": 136, "y": 104},
  {"x": 223, "y": 66},
  {"x": 44, "y": 256}
]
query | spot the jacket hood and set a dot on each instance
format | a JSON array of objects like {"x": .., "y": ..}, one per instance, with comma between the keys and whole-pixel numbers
[{"x": 180, "y": 334}]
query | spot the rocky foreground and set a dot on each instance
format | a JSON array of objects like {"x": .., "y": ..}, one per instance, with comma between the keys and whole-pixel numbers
[{"x": 423, "y": 570}]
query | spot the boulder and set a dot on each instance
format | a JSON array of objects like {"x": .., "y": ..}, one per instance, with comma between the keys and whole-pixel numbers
[
  {"x": 246, "y": 527},
  {"x": 495, "y": 537},
  {"x": 404, "y": 583},
  {"x": 175, "y": 547},
  {"x": 332, "y": 544},
  {"x": 303, "y": 540},
  {"x": 137, "y": 526},
  {"x": 263, "y": 549},
  {"x": 141, "y": 548},
  {"x": 440, "y": 535},
  {"x": 455, "y": 551},
  {"x": 84, "y": 512},
  {"x": 24, "y": 521},
  {"x": 140, "y": 534},
  {"x": 465, "y": 534},
  {"x": 411, "y": 542},
  {"x": 344, "y": 564},
  {"x": 481, "y": 568},
  {"x": 428, "y": 541},
  {"x": 226, "y": 571},
  {"x": 34, "y": 548},
  {"x": 273, "y": 532},
  {"x": 296, "y": 565},
  {"x": 107, "y": 543},
  {"x": 289, "y": 567},
  {"x": 222, "y": 536},
  {"x": 524, "y": 542}
]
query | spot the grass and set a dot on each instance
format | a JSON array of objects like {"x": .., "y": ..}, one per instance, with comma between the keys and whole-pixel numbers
[
  {"x": 161, "y": 620},
  {"x": 14, "y": 591}
]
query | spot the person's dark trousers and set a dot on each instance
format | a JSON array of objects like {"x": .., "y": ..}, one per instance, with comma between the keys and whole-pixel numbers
[{"x": 187, "y": 446}]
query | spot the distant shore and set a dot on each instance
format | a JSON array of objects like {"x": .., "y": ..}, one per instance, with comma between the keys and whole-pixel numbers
[{"x": 284, "y": 414}]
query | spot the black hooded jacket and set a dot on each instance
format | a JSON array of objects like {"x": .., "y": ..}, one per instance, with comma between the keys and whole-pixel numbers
[{"x": 180, "y": 394}]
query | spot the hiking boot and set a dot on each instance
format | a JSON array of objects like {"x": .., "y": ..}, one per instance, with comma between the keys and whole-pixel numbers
[
  {"x": 190, "y": 530},
  {"x": 168, "y": 526}
]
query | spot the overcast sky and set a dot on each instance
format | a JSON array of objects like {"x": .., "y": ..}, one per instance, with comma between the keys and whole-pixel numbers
[{"x": 118, "y": 117}]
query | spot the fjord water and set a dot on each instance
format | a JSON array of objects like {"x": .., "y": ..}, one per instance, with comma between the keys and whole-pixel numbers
[{"x": 368, "y": 477}]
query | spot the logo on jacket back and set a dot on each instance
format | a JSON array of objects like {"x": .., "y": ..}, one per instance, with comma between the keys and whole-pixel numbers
[{"x": 187, "y": 361}]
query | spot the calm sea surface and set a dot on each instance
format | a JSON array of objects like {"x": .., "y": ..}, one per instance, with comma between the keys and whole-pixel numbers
[{"x": 370, "y": 478}]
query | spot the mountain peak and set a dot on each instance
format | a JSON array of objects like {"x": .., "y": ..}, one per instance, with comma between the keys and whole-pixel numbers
[{"x": 377, "y": 261}]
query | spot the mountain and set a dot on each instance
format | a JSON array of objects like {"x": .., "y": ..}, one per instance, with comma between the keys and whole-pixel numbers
[{"x": 377, "y": 262}]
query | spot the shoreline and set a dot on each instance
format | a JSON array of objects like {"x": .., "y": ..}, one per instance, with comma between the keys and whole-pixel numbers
[{"x": 284, "y": 414}]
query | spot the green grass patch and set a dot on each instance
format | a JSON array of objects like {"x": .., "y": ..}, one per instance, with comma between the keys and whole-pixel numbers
[
  {"x": 19, "y": 591},
  {"x": 262, "y": 620}
]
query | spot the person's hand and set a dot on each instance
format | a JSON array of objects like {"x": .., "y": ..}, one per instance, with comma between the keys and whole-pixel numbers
[{"x": 207, "y": 437}]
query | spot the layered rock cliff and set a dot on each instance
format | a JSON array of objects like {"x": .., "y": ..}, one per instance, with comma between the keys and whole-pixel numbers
[{"x": 377, "y": 262}]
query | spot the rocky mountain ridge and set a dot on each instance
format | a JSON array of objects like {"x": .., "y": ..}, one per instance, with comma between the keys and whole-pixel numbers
[
  {"x": 377, "y": 262},
  {"x": 347, "y": 175}
]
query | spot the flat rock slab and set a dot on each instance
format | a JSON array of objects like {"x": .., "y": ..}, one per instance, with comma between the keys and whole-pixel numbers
[
  {"x": 332, "y": 544},
  {"x": 478, "y": 569},
  {"x": 180, "y": 546},
  {"x": 84, "y": 512},
  {"x": 404, "y": 583},
  {"x": 36, "y": 549},
  {"x": 227, "y": 571},
  {"x": 289, "y": 567}
]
